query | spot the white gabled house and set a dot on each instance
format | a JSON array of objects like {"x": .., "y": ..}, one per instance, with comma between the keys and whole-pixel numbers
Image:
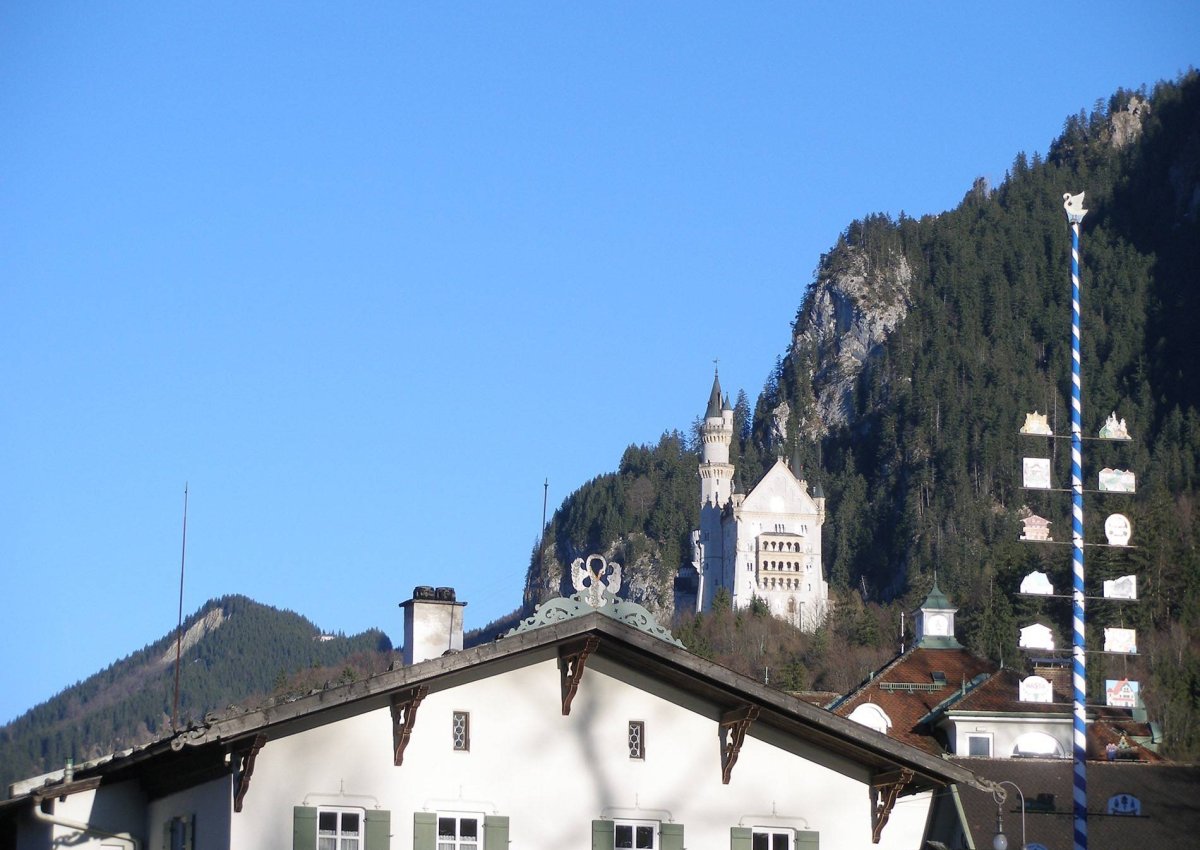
[{"x": 585, "y": 727}]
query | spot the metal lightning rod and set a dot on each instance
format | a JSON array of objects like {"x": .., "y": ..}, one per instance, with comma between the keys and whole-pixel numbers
[
  {"x": 179, "y": 627},
  {"x": 1073, "y": 204}
]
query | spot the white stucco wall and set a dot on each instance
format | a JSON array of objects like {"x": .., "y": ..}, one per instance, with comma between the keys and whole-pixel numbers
[
  {"x": 552, "y": 775},
  {"x": 210, "y": 803},
  {"x": 1006, "y": 730},
  {"x": 114, "y": 809}
]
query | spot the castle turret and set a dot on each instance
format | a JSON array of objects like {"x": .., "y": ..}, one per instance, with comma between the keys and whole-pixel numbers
[{"x": 716, "y": 472}]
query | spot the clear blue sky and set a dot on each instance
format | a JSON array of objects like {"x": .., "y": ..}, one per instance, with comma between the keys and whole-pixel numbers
[{"x": 364, "y": 275}]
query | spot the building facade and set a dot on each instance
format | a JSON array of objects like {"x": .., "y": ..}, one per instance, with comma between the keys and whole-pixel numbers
[
  {"x": 582, "y": 728},
  {"x": 764, "y": 544}
]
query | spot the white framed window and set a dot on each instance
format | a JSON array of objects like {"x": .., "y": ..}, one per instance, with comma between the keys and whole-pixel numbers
[
  {"x": 339, "y": 828},
  {"x": 459, "y": 831},
  {"x": 635, "y": 834},
  {"x": 768, "y": 838},
  {"x": 637, "y": 739},
  {"x": 460, "y": 725},
  {"x": 979, "y": 745}
]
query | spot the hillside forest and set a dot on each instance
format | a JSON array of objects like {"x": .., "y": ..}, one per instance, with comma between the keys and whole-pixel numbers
[
  {"x": 919, "y": 457},
  {"x": 922, "y": 465}
]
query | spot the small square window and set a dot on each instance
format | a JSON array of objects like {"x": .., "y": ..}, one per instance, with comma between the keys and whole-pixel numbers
[
  {"x": 458, "y": 832},
  {"x": 461, "y": 728},
  {"x": 637, "y": 739},
  {"x": 771, "y": 839},
  {"x": 339, "y": 829},
  {"x": 635, "y": 835},
  {"x": 979, "y": 745}
]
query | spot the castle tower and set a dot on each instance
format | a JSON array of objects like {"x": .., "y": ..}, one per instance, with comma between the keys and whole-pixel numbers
[
  {"x": 716, "y": 472},
  {"x": 716, "y": 487}
]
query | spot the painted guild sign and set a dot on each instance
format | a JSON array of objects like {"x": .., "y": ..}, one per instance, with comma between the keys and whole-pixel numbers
[
  {"x": 1117, "y": 481},
  {"x": 1036, "y": 473},
  {"x": 1121, "y": 693},
  {"x": 1038, "y": 584},
  {"x": 1124, "y": 587},
  {"x": 1035, "y": 423},
  {"x": 1035, "y": 689},
  {"x": 1120, "y": 640},
  {"x": 1114, "y": 430},
  {"x": 1036, "y": 636},
  {"x": 1036, "y": 528},
  {"x": 1118, "y": 530}
]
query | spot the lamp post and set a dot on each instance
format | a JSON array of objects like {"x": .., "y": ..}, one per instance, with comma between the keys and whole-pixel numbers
[{"x": 1000, "y": 840}]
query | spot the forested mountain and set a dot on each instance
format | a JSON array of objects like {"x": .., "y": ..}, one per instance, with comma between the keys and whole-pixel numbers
[
  {"x": 233, "y": 649},
  {"x": 914, "y": 357}
]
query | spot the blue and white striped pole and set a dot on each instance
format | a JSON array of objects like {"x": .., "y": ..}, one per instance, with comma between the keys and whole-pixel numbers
[{"x": 1073, "y": 204}]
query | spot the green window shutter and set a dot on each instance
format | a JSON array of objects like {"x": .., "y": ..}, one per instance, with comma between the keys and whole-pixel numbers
[
  {"x": 379, "y": 829},
  {"x": 189, "y": 832},
  {"x": 304, "y": 828},
  {"x": 603, "y": 835},
  {"x": 167, "y": 834},
  {"x": 670, "y": 836},
  {"x": 740, "y": 838},
  {"x": 424, "y": 830},
  {"x": 495, "y": 832},
  {"x": 808, "y": 840}
]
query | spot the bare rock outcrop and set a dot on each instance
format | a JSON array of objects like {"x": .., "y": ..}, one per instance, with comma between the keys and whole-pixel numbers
[{"x": 853, "y": 307}]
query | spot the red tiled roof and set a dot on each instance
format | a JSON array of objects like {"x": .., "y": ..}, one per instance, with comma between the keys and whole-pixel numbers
[
  {"x": 998, "y": 693},
  {"x": 906, "y": 707}
]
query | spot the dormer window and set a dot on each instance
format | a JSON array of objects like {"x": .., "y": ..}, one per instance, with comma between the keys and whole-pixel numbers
[
  {"x": 871, "y": 716},
  {"x": 939, "y": 677}
]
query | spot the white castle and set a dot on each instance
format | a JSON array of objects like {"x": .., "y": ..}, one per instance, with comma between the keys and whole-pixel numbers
[{"x": 765, "y": 544}]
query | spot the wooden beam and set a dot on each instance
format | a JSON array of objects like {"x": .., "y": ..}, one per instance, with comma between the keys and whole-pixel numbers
[
  {"x": 572, "y": 658},
  {"x": 404, "y": 716},
  {"x": 732, "y": 732},
  {"x": 885, "y": 788},
  {"x": 244, "y": 768}
]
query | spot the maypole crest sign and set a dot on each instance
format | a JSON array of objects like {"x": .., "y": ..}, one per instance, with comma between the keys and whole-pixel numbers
[{"x": 1073, "y": 204}]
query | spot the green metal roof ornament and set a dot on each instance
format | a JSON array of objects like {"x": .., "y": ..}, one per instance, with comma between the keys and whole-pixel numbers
[{"x": 596, "y": 584}]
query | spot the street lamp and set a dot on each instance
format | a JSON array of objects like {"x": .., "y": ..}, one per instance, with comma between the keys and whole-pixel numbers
[{"x": 1000, "y": 840}]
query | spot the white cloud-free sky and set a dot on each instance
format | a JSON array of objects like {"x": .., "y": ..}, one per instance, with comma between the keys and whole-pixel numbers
[{"x": 365, "y": 275}]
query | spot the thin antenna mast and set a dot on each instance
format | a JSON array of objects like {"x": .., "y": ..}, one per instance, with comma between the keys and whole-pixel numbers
[{"x": 179, "y": 627}]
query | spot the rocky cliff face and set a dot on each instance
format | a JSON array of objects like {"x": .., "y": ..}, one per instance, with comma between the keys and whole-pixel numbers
[
  {"x": 853, "y": 307},
  {"x": 645, "y": 578}
]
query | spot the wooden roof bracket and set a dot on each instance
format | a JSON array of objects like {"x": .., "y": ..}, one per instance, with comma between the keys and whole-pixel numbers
[
  {"x": 732, "y": 732},
  {"x": 885, "y": 788},
  {"x": 404, "y": 717},
  {"x": 571, "y": 661},
  {"x": 243, "y": 768}
]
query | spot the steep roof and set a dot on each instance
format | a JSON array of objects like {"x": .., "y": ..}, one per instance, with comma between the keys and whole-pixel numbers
[
  {"x": 714, "y": 399},
  {"x": 1169, "y": 795},
  {"x": 201, "y": 751},
  {"x": 907, "y": 690},
  {"x": 779, "y": 482}
]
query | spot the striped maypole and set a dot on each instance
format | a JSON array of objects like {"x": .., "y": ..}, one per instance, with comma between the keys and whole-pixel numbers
[{"x": 1073, "y": 204}]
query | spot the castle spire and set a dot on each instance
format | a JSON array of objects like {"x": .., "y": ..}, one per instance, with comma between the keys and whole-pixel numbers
[{"x": 714, "y": 398}]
